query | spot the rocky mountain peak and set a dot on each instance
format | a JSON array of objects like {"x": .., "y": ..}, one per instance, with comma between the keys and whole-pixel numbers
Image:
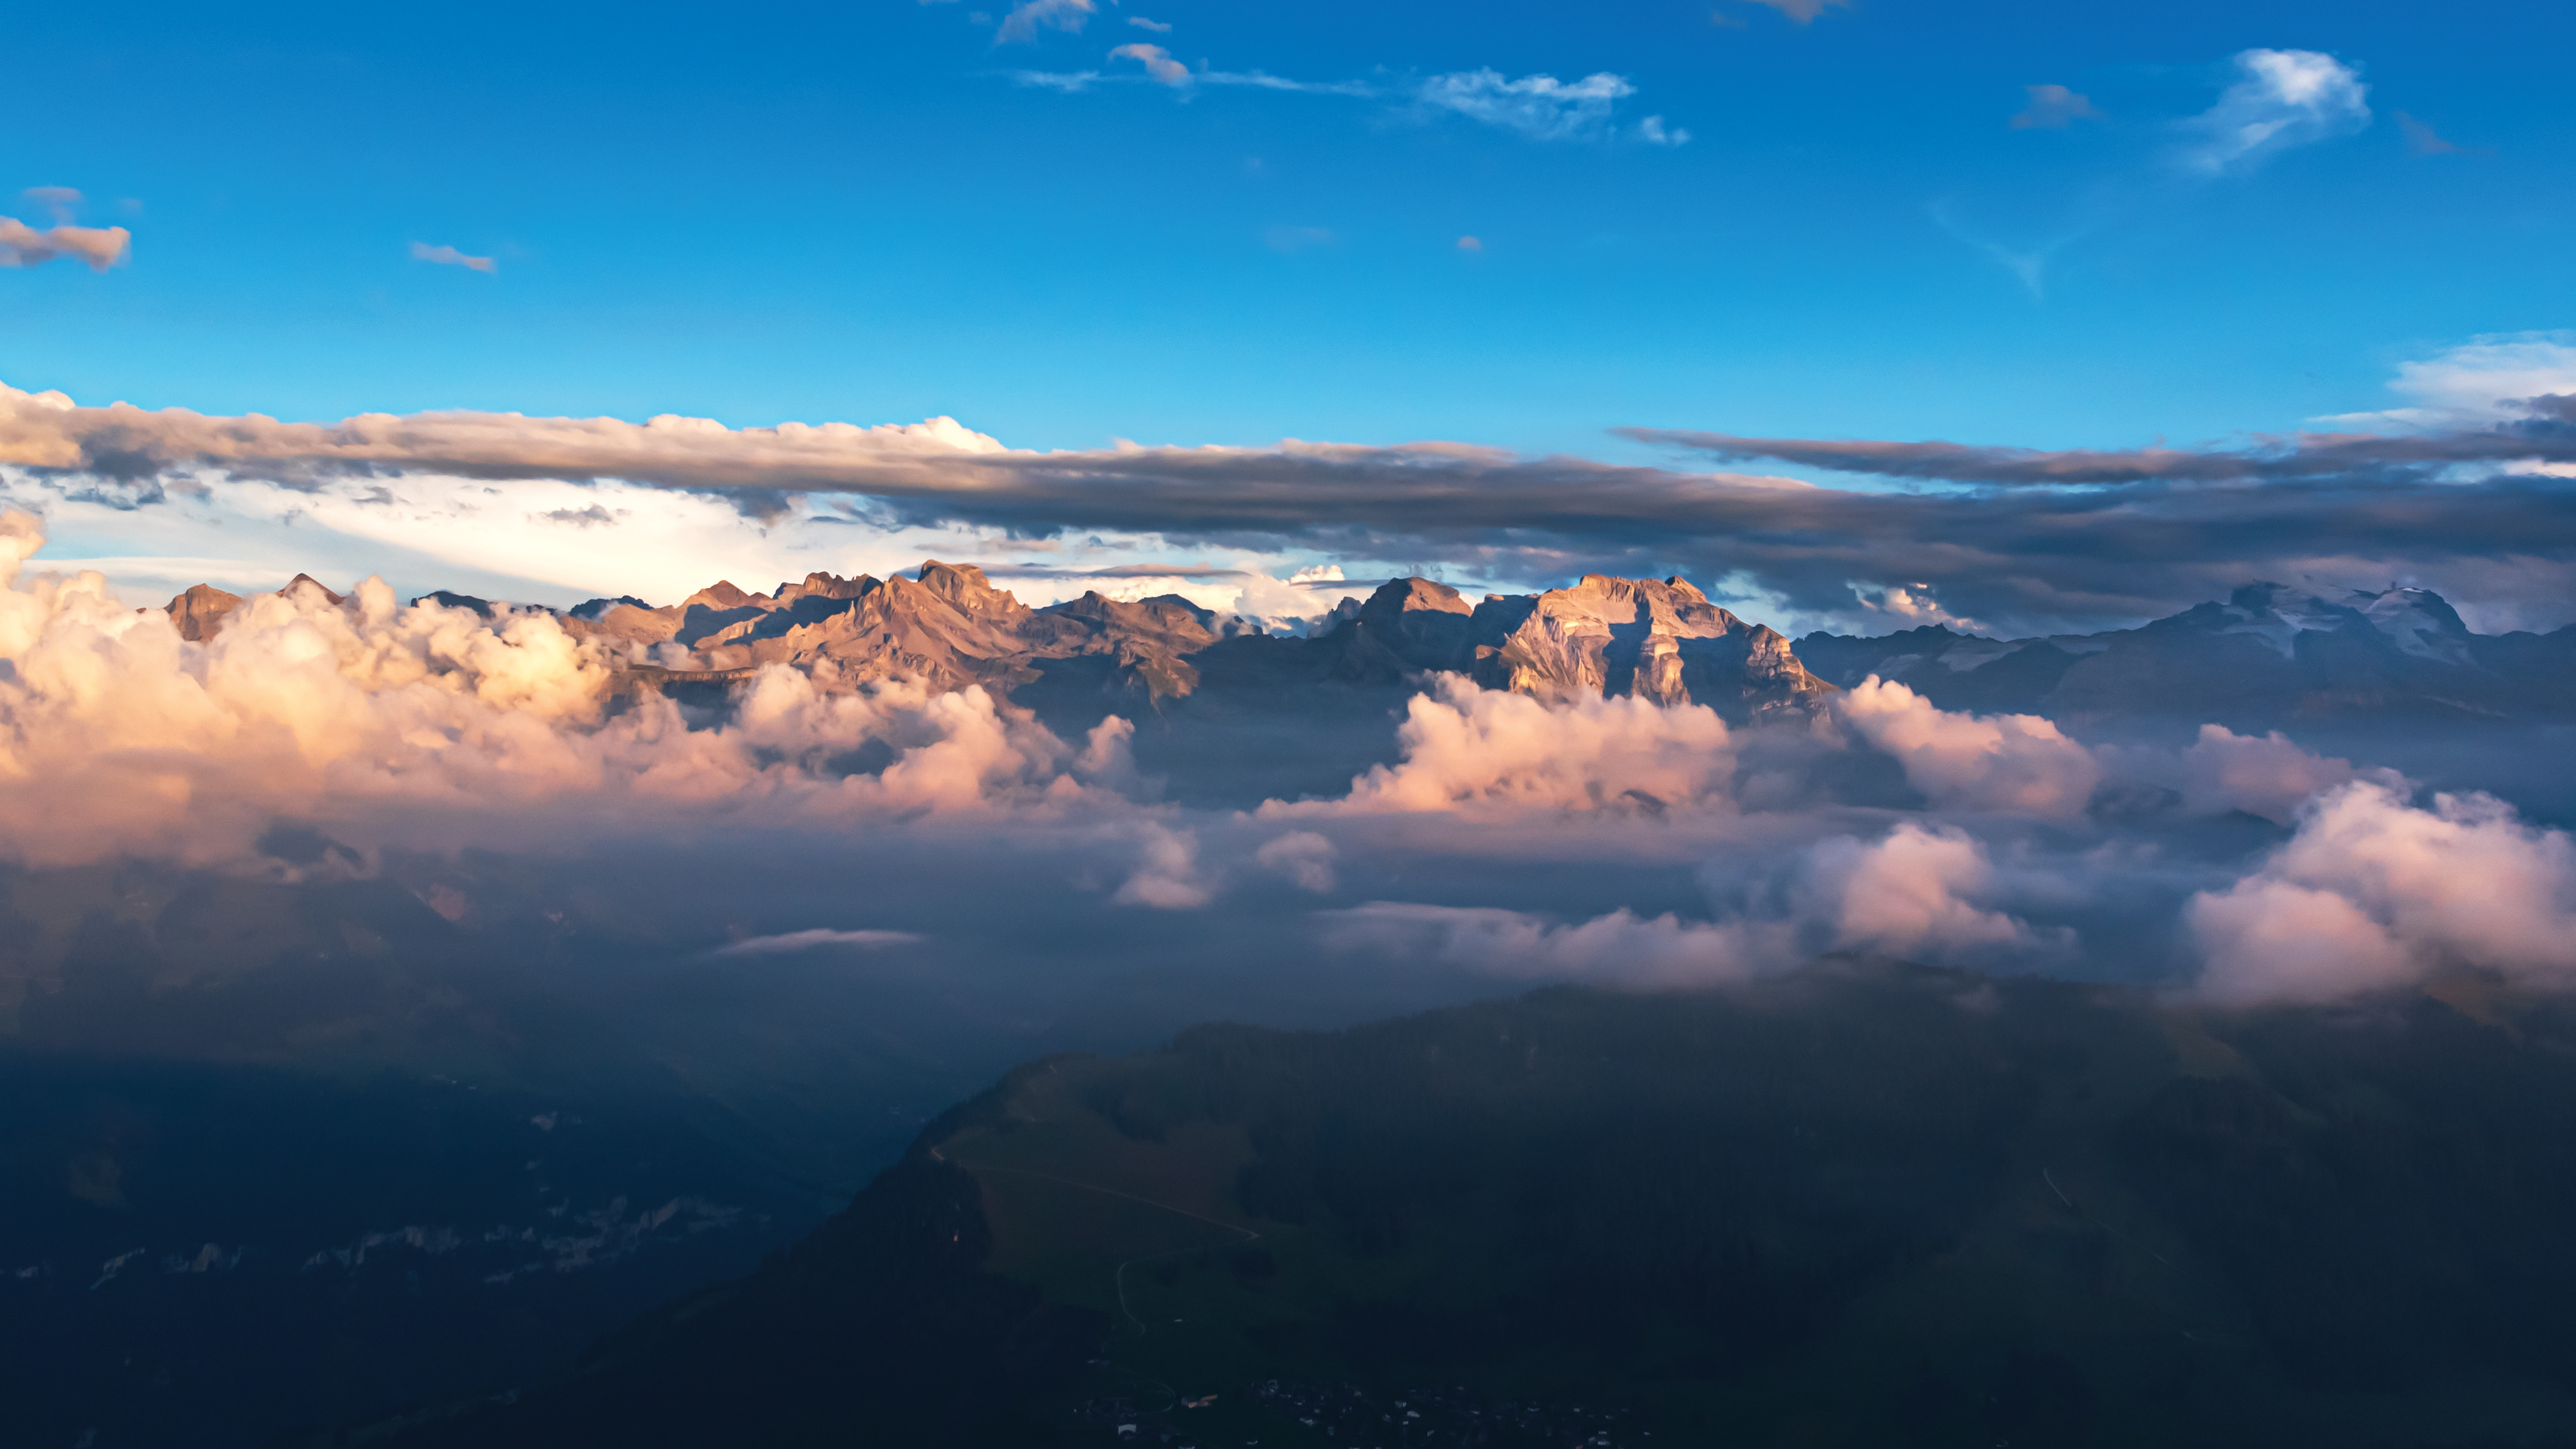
[
  {"x": 1408, "y": 595},
  {"x": 302, "y": 581},
  {"x": 200, "y": 610},
  {"x": 722, "y": 595},
  {"x": 966, "y": 589}
]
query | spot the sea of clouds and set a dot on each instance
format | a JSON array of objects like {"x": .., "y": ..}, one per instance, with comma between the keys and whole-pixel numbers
[{"x": 1492, "y": 839}]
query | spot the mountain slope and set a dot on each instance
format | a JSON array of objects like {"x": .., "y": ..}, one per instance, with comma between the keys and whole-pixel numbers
[{"x": 1860, "y": 1205}]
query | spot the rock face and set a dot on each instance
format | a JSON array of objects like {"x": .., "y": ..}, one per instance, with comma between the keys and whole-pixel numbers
[
  {"x": 2268, "y": 655},
  {"x": 1660, "y": 641},
  {"x": 948, "y": 627},
  {"x": 198, "y": 611}
]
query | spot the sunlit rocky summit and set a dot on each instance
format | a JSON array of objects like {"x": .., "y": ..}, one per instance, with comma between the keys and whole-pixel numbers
[
  {"x": 2266, "y": 656},
  {"x": 950, "y": 628}
]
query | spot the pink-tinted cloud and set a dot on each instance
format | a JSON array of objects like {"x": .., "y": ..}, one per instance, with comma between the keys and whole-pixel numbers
[
  {"x": 447, "y": 256},
  {"x": 2374, "y": 893},
  {"x": 2013, "y": 762},
  {"x": 1466, "y": 748},
  {"x": 2053, "y": 108},
  {"x": 1157, "y": 62},
  {"x": 22, "y": 245}
]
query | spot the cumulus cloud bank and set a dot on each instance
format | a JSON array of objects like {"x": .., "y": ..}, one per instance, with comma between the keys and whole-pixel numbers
[
  {"x": 1973, "y": 762},
  {"x": 1473, "y": 749},
  {"x": 1916, "y": 892},
  {"x": 430, "y": 723},
  {"x": 2374, "y": 892}
]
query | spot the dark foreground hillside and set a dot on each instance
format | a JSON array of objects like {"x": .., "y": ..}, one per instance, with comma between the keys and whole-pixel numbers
[{"x": 1861, "y": 1205}]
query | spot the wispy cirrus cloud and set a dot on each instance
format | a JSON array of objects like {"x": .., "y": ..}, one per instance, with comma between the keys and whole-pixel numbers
[
  {"x": 1157, "y": 62},
  {"x": 2282, "y": 100},
  {"x": 2423, "y": 140},
  {"x": 2053, "y": 108},
  {"x": 1801, "y": 12},
  {"x": 1030, "y": 16},
  {"x": 795, "y": 941},
  {"x": 448, "y": 256},
  {"x": 1538, "y": 106}
]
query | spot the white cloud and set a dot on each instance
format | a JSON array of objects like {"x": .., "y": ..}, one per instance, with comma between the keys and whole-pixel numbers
[
  {"x": 1301, "y": 855},
  {"x": 1157, "y": 62},
  {"x": 1025, "y": 19},
  {"x": 1911, "y": 893},
  {"x": 2374, "y": 893},
  {"x": 1621, "y": 948},
  {"x": 815, "y": 939},
  {"x": 1540, "y": 107},
  {"x": 1156, "y": 26},
  {"x": 1491, "y": 751},
  {"x": 22, "y": 245},
  {"x": 2053, "y": 107},
  {"x": 2012, "y": 762},
  {"x": 2286, "y": 98},
  {"x": 1653, "y": 132},
  {"x": 430, "y": 725},
  {"x": 1802, "y": 12},
  {"x": 1166, "y": 877},
  {"x": 447, "y": 256},
  {"x": 2478, "y": 383}
]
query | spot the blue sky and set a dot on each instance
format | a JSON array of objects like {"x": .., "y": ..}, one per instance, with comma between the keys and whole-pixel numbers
[{"x": 855, "y": 212}]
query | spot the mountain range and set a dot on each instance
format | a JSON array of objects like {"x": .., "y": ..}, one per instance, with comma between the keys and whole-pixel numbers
[{"x": 2267, "y": 656}]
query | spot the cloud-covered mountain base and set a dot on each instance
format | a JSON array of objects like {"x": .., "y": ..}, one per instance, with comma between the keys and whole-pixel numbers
[
  {"x": 1858, "y": 1205},
  {"x": 786, "y": 872}
]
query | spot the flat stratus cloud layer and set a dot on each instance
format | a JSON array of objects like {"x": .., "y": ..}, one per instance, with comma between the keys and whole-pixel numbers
[{"x": 2023, "y": 540}]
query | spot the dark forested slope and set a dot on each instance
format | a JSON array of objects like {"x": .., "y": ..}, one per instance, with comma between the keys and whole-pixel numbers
[{"x": 1860, "y": 1205}]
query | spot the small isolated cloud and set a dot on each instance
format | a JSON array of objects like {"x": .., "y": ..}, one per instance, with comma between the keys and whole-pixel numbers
[
  {"x": 1025, "y": 19},
  {"x": 1301, "y": 855},
  {"x": 2423, "y": 140},
  {"x": 2286, "y": 98},
  {"x": 581, "y": 517},
  {"x": 1803, "y": 12},
  {"x": 1470, "y": 244},
  {"x": 1167, "y": 872},
  {"x": 60, "y": 202},
  {"x": 1157, "y": 62},
  {"x": 1067, "y": 82},
  {"x": 1654, "y": 132},
  {"x": 447, "y": 256},
  {"x": 1156, "y": 26},
  {"x": 2054, "y": 108},
  {"x": 1494, "y": 751},
  {"x": 1911, "y": 894},
  {"x": 1291, "y": 240},
  {"x": 22, "y": 245},
  {"x": 1621, "y": 948},
  {"x": 812, "y": 940},
  {"x": 1540, "y": 107}
]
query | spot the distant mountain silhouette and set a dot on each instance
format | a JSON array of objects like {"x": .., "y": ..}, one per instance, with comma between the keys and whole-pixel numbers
[{"x": 2269, "y": 656}]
